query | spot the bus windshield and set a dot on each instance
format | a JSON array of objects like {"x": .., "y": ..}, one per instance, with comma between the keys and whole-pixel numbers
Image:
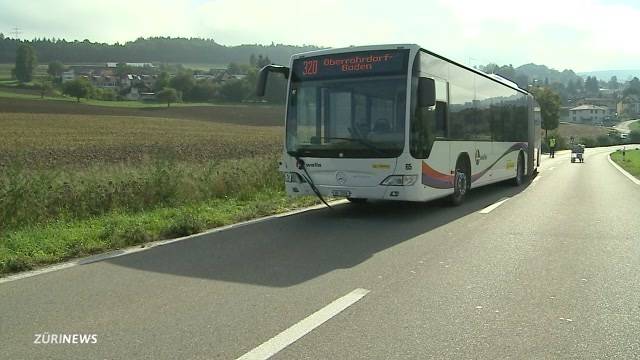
[{"x": 354, "y": 117}]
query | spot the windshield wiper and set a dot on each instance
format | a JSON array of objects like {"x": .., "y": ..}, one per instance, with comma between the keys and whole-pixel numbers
[{"x": 359, "y": 141}]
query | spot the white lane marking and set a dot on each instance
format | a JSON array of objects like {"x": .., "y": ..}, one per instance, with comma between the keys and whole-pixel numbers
[
  {"x": 490, "y": 208},
  {"x": 147, "y": 246},
  {"x": 623, "y": 171},
  {"x": 305, "y": 326}
]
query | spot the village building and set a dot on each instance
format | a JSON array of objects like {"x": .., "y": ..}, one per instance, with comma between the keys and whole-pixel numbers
[{"x": 588, "y": 114}]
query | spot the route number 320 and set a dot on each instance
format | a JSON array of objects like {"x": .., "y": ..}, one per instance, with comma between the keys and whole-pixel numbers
[{"x": 310, "y": 67}]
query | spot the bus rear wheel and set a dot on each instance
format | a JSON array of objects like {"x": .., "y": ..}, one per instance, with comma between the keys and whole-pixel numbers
[
  {"x": 519, "y": 179},
  {"x": 460, "y": 184}
]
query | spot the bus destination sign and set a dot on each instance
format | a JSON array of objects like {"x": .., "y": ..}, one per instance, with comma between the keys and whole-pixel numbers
[{"x": 384, "y": 62}]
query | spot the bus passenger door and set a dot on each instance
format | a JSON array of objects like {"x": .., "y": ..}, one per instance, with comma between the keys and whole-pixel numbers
[{"x": 428, "y": 139}]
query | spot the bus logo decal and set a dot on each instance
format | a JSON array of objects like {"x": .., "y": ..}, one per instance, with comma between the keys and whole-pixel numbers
[
  {"x": 480, "y": 157},
  {"x": 341, "y": 178}
]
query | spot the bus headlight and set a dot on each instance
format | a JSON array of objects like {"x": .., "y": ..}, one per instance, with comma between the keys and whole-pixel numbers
[
  {"x": 400, "y": 180},
  {"x": 292, "y": 177}
]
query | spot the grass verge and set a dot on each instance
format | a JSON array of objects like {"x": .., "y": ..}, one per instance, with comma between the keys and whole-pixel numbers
[
  {"x": 32, "y": 246},
  {"x": 630, "y": 162},
  {"x": 47, "y": 216}
]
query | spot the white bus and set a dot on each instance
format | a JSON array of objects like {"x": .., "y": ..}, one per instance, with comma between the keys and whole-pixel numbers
[{"x": 398, "y": 122}]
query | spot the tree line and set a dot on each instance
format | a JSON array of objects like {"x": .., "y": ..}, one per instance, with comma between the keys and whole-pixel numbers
[
  {"x": 168, "y": 87},
  {"x": 152, "y": 49}
]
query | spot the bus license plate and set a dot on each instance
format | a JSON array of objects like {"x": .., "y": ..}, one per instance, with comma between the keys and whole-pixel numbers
[{"x": 341, "y": 193}]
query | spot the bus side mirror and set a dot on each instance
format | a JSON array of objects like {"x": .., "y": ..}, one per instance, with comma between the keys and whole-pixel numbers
[
  {"x": 261, "y": 85},
  {"x": 426, "y": 92}
]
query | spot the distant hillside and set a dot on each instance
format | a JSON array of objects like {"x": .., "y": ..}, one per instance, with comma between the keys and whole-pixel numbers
[
  {"x": 542, "y": 73},
  {"x": 532, "y": 73},
  {"x": 156, "y": 49},
  {"x": 622, "y": 75}
]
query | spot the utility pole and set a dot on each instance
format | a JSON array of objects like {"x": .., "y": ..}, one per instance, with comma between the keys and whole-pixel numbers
[{"x": 16, "y": 32}]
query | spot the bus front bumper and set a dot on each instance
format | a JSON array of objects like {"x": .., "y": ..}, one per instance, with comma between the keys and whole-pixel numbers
[{"x": 365, "y": 192}]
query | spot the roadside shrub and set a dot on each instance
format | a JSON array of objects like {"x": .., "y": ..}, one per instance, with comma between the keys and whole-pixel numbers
[
  {"x": 16, "y": 264},
  {"x": 184, "y": 225},
  {"x": 604, "y": 140},
  {"x": 588, "y": 142},
  {"x": 134, "y": 235},
  {"x": 105, "y": 94}
]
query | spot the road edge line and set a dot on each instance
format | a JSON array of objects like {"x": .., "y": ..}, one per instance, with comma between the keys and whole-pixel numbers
[
  {"x": 623, "y": 171},
  {"x": 150, "y": 245}
]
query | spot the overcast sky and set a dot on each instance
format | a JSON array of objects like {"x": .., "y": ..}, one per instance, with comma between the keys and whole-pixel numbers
[{"x": 582, "y": 35}]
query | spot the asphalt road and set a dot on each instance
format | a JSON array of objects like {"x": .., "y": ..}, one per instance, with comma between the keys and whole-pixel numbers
[
  {"x": 553, "y": 272},
  {"x": 623, "y": 127}
]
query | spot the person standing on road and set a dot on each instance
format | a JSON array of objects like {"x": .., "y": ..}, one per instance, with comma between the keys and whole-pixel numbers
[{"x": 552, "y": 147}]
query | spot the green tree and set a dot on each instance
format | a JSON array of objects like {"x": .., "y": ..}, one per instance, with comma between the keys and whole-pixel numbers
[
  {"x": 591, "y": 86},
  {"x": 571, "y": 88},
  {"x": 78, "y": 88},
  {"x": 25, "y": 62},
  {"x": 183, "y": 83},
  {"x": 55, "y": 69},
  {"x": 549, "y": 102},
  {"x": 44, "y": 86},
  {"x": 234, "y": 68},
  {"x": 234, "y": 90},
  {"x": 633, "y": 88},
  {"x": 123, "y": 69},
  {"x": 613, "y": 83},
  {"x": 167, "y": 95},
  {"x": 162, "y": 81},
  {"x": 203, "y": 90},
  {"x": 262, "y": 61}
]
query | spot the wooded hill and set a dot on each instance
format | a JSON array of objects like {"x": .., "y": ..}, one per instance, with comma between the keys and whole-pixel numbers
[{"x": 154, "y": 49}]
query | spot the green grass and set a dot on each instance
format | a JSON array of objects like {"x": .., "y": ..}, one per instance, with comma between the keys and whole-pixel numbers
[
  {"x": 631, "y": 161},
  {"x": 5, "y": 71},
  {"x": 7, "y": 93},
  {"x": 50, "y": 216},
  {"x": 635, "y": 126},
  {"x": 34, "y": 246},
  {"x": 32, "y": 197}
]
